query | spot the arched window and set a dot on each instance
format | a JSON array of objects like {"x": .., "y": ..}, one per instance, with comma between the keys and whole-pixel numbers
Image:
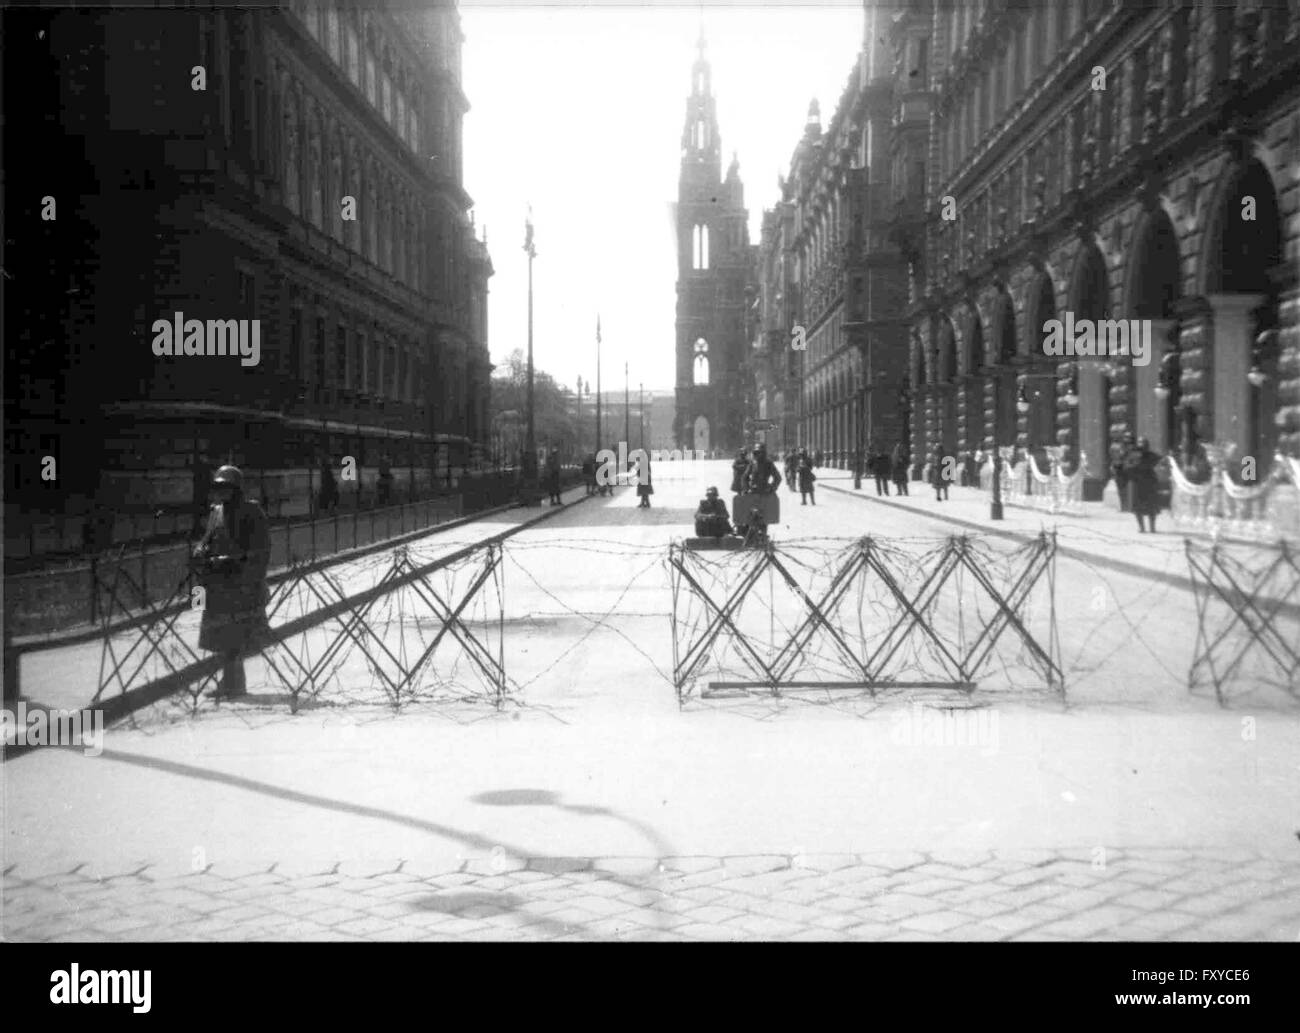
[{"x": 701, "y": 362}]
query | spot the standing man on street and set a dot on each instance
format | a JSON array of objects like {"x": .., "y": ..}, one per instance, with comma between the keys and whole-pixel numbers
[{"x": 231, "y": 560}]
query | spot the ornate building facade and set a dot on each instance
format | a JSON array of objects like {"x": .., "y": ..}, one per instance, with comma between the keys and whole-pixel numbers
[
  {"x": 714, "y": 273},
  {"x": 833, "y": 273},
  {"x": 309, "y": 179},
  {"x": 1110, "y": 161}
]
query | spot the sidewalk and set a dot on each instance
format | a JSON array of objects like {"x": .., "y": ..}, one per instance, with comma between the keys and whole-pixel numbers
[
  {"x": 1102, "y": 536},
  {"x": 1036, "y": 895}
]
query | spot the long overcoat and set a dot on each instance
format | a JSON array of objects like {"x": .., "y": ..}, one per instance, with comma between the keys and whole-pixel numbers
[{"x": 232, "y": 559}]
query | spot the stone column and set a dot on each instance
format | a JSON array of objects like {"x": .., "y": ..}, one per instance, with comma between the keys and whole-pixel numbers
[
  {"x": 1234, "y": 334},
  {"x": 1149, "y": 411},
  {"x": 1288, "y": 371},
  {"x": 1195, "y": 331}
]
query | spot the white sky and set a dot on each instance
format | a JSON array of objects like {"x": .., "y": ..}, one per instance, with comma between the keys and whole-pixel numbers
[{"x": 578, "y": 111}]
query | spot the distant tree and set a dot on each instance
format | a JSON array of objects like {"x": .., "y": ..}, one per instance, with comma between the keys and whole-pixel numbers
[{"x": 554, "y": 417}]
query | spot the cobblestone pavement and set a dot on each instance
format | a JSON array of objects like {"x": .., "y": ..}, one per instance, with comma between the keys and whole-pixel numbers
[{"x": 1137, "y": 894}]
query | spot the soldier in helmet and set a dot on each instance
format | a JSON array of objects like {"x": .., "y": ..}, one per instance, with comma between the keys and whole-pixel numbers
[
  {"x": 712, "y": 519},
  {"x": 231, "y": 560}
]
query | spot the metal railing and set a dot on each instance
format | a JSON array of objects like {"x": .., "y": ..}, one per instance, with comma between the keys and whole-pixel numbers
[{"x": 53, "y": 600}]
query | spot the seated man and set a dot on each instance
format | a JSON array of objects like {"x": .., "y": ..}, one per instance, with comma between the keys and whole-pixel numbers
[{"x": 712, "y": 519}]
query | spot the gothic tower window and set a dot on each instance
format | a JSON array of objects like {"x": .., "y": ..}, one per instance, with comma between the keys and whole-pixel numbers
[
  {"x": 701, "y": 363},
  {"x": 700, "y": 247}
]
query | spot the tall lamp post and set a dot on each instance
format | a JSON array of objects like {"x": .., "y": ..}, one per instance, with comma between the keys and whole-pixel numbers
[
  {"x": 640, "y": 405},
  {"x": 599, "y": 443},
  {"x": 995, "y": 506},
  {"x": 627, "y": 408},
  {"x": 530, "y": 441}
]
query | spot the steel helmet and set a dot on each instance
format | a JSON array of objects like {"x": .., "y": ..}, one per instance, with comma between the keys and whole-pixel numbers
[{"x": 230, "y": 475}]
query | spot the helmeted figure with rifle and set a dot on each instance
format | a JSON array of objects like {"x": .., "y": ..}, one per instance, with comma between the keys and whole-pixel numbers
[{"x": 231, "y": 560}]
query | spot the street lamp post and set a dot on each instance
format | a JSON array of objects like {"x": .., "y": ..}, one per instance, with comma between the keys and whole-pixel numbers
[
  {"x": 995, "y": 506},
  {"x": 640, "y": 404},
  {"x": 530, "y": 441},
  {"x": 627, "y": 408}
]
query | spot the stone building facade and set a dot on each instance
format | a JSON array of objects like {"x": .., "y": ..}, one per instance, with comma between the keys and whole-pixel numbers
[
  {"x": 236, "y": 201},
  {"x": 714, "y": 274},
  {"x": 1110, "y": 161},
  {"x": 833, "y": 271}
]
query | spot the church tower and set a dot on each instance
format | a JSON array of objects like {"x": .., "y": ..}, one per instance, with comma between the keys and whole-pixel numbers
[{"x": 712, "y": 271}]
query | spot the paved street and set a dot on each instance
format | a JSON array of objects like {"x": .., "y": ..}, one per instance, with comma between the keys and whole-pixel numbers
[{"x": 593, "y": 807}]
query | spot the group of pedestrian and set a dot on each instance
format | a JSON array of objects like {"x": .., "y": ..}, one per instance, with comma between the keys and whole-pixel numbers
[{"x": 887, "y": 467}]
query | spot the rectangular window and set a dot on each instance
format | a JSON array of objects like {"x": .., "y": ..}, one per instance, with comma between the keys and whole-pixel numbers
[
  {"x": 320, "y": 353},
  {"x": 332, "y": 26},
  {"x": 341, "y": 377},
  {"x": 401, "y": 116},
  {"x": 388, "y": 99},
  {"x": 371, "y": 82},
  {"x": 353, "y": 57},
  {"x": 295, "y": 347},
  {"x": 414, "y": 126}
]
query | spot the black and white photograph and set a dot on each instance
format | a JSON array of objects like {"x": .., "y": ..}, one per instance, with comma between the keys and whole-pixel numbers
[{"x": 725, "y": 472}]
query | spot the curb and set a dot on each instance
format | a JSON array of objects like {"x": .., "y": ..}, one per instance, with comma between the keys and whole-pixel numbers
[{"x": 1176, "y": 580}]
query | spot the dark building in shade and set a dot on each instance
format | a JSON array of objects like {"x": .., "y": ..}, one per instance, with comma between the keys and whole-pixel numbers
[
  {"x": 313, "y": 185},
  {"x": 714, "y": 268}
]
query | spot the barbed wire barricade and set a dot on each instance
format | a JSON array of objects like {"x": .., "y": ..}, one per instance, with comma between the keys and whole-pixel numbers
[
  {"x": 148, "y": 641},
  {"x": 1247, "y": 618},
  {"x": 919, "y": 615}
]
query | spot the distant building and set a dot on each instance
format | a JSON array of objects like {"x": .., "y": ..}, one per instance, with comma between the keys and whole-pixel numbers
[
  {"x": 714, "y": 269},
  {"x": 234, "y": 202},
  {"x": 830, "y": 343}
]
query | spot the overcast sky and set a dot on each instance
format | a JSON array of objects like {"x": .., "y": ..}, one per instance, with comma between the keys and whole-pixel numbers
[{"x": 578, "y": 110}]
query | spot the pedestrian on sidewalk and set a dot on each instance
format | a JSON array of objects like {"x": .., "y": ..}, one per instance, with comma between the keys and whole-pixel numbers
[
  {"x": 589, "y": 473},
  {"x": 1143, "y": 484},
  {"x": 791, "y": 469},
  {"x": 806, "y": 479},
  {"x": 553, "y": 476},
  {"x": 881, "y": 469},
  {"x": 899, "y": 463},
  {"x": 1119, "y": 469},
  {"x": 645, "y": 486},
  {"x": 329, "y": 489},
  {"x": 231, "y": 560},
  {"x": 942, "y": 465}
]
